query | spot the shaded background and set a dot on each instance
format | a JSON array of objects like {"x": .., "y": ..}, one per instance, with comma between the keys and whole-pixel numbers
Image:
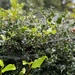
[{"x": 57, "y": 4}]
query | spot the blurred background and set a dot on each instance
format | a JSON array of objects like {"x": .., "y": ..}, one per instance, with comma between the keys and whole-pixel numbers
[
  {"x": 45, "y": 4},
  {"x": 60, "y": 48}
]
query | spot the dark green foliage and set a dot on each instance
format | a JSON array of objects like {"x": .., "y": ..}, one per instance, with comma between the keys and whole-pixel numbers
[
  {"x": 5, "y": 4},
  {"x": 30, "y": 35}
]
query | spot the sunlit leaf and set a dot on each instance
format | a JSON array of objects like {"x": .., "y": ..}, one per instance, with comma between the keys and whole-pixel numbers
[
  {"x": 38, "y": 62},
  {"x": 13, "y": 3},
  {"x": 24, "y": 28},
  {"x": 49, "y": 30},
  {"x": 24, "y": 62},
  {"x": 39, "y": 34},
  {"x": 1, "y": 63},
  {"x": 34, "y": 30},
  {"x": 72, "y": 15},
  {"x": 53, "y": 31},
  {"x": 9, "y": 68},
  {"x": 3, "y": 37},
  {"x": 23, "y": 71}
]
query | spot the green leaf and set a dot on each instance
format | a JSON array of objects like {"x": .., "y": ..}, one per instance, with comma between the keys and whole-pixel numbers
[
  {"x": 54, "y": 31},
  {"x": 24, "y": 62},
  {"x": 23, "y": 71},
  {"x": 1, "y": 63},
  {"x": 3, "y": 37},
  {"x": 14, "y": 3},
  {"x": 49, "y": 30},
  {"x": 34, "y": 30},
  {"x": 9, "y": 68},
  {"x": 24, "y": 28},
  {"x": 30, "y": 63},
  {"x": 59, "y": 20},
  {"x": 38, "y": 62}
]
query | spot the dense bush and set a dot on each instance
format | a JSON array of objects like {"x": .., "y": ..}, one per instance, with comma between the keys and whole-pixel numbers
[
  {"x": 61, "y": 5},
  {"x": 30, "y": 35}
]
